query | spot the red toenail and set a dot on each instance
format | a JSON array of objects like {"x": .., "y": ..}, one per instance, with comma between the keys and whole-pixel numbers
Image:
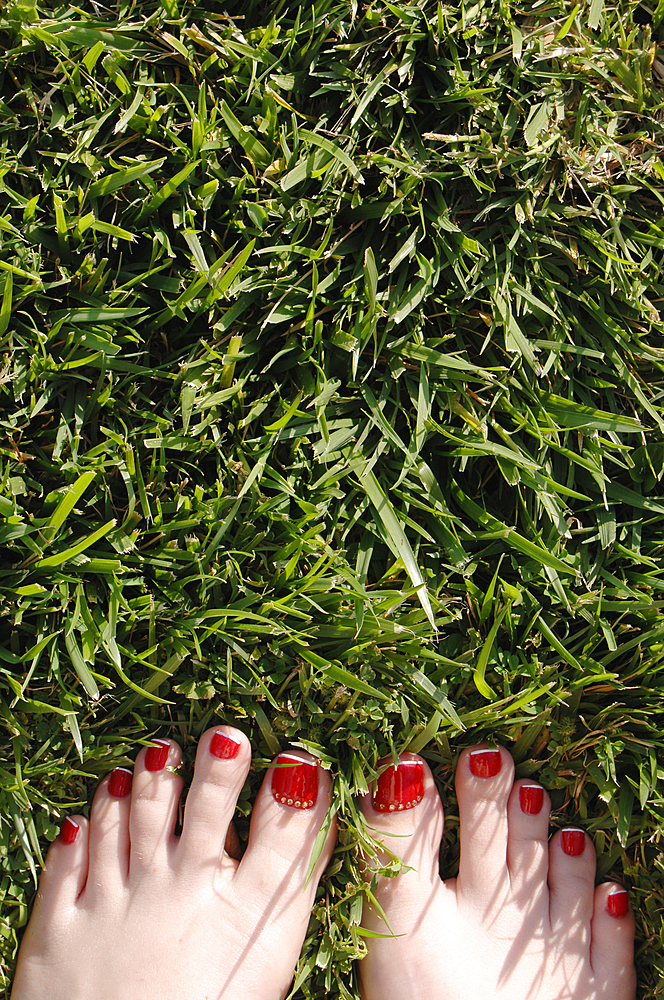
[
  {"x": 69, "y": 831},
  {"x": 399, "y": 787},
  {"x": 574, "y": 842},
  {"x": 485, "y": 763},
  {"x": 119, "y": 783},
  {"x": 295, "y": 785},
  {"x": 617, "y": 903},
  {"x": 223, "y": 746},
  {"x": 531, "y": 799},
  {"x": 157, "y": 755}
]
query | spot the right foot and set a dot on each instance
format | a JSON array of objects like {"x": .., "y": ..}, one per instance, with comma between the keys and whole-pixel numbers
[
  {"x": 128, "y": 911},
  {"x": 523, "y": 921}
]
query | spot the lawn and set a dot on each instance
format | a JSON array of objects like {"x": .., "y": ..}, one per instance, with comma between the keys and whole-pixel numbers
[{"x": 332, "y": 404}]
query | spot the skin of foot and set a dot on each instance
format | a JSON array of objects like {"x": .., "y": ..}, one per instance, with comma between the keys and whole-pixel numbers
[
  {"x": 126, "y": 910},
  {"x": 523, "y": 920}
]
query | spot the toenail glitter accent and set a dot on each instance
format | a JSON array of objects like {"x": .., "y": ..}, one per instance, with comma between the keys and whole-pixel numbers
[
  {"x": 119, "y": 784},
  {"x": 531, "y": 799},
  {"x": 295, "y": 784},
  {"x": 399, "y": 787},
  {"x": 69, "y": 831},
  {"x": 617, "y": 903},
  {"x": 485, "y": 763},
  {"x": 157, "y": 755},
  {"x": 224, "y": 746},
  {"x": 573, "y": 841}
]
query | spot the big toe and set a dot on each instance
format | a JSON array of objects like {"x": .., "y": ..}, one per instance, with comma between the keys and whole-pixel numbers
[
  {"x": 291, "y": 839},
  {"x": 404, "y": 814}
]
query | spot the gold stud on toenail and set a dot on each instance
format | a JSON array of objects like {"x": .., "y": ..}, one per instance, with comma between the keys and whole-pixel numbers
[
  {"x": 297, "y": 803},
  {"x": 311, "y": 802}
]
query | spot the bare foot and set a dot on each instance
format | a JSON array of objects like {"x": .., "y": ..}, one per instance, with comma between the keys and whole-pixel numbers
[
  {"x": 126, "y": 910},
  {"x": 522, "y": 921}
]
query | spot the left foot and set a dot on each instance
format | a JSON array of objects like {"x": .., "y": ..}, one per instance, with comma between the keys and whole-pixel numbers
[{"x": 128, "y": 911}]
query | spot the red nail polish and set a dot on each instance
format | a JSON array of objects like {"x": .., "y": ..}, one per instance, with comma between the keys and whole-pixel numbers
[
  {"x": 295, "y": 785},
  {"x": 485, "y": 763},
  {"x": 399, "y": 787},
  {"x": 224, "y": 746},
  {"x": 157, "y": 755},
  {"x": 119, "y": 784},
  {"x": 574, "y": 842},
  {"x": 69, "y": 831},
  {"x": 531, "y": 799},
  {"x": 617, "y": 903}
]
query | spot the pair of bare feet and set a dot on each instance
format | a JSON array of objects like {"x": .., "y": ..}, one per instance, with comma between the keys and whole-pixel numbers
[{"x": 130, "y": 911}]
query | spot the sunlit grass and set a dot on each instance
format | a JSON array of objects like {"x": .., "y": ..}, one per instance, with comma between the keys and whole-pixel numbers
[{"x": 332, "y": 380}]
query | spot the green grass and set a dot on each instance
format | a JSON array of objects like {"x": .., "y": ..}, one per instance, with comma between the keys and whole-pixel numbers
[{"x": 333, "y": 404}]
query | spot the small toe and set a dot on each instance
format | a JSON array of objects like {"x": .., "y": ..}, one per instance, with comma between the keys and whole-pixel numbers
[
  {"x": 61, "y": 884},
  {"x": 66, "y": 868},
  {"x": 612, "y": 943},
  {"x": 222, "y": 764},
  {"x": 484, "y": 781},
  {"x": 155, "y": 798}
]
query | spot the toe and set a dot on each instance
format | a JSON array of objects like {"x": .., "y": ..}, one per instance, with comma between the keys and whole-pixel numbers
[
  {"x": 222, "y": 764},
  {"x": 483, "y": 782},
  {"x": 109, "y": 832},
  {"x": 66, "y": 868},
  {"x": 404, "y": 814},
  {"x": 60, "y": 886},
  {"x": 612, "y": 943},
  {"x": 572, "y": 865},
  {"x": 527, "y": 843},
  {"x": 155, "y": 798},
  {"x": 291, "y": 827}
]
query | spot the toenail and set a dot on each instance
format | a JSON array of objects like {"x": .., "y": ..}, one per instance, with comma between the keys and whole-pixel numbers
[
  {"x": 574, "y": 841},
  {"x": 223, "y": 746},
  {"x": 296, "y": 784},
  {"x": 119, "y": 783},
  {"x": 69, "y": 831},
  {"x": 617, "y": 903},
  {"x": 485, "y": 763},
  {"x": 531, "y": 799},
  {"x": 400, "y": 786},
  {"x": 157, "y": 755}
]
